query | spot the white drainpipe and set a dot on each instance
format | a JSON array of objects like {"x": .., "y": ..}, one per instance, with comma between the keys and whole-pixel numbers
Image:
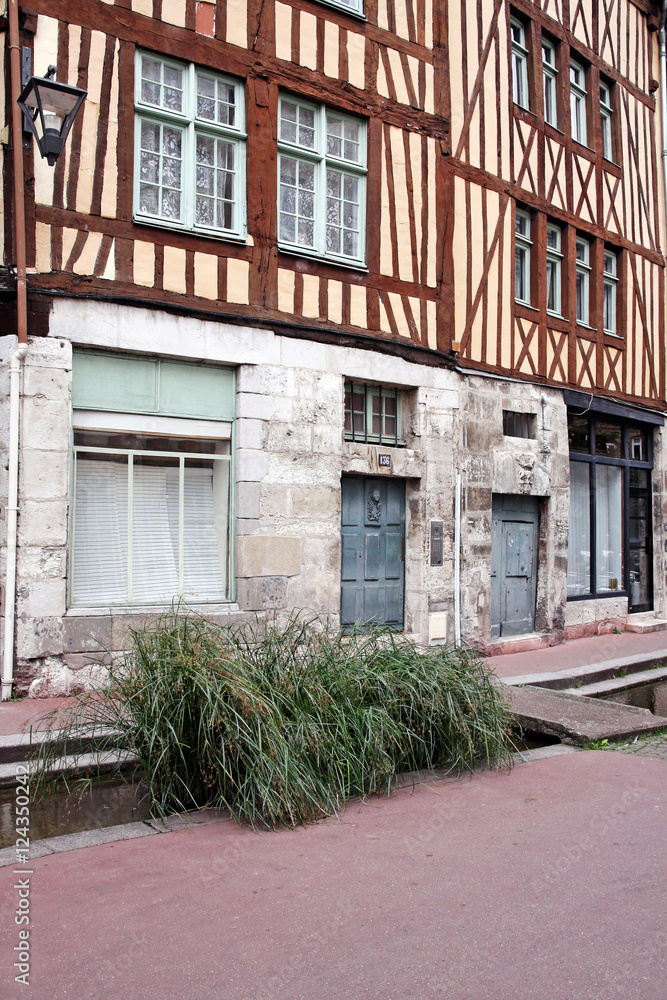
[
  {"x": 12, "y": 519},
  {"x": 457, "y": 562}
]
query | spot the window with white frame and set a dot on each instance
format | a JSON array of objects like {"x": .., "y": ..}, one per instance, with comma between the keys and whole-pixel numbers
[
  {"x": 605, "y": 119},
  {"x": 578, "y": 96},
  {"x": 609, "y": 285},
  {"x": 519, "y": 64},
  {"x": 549, "y": 83},
  {"x": 373, "y": 413},
  {"x": 150, "y": 517},
  {"x": 189, "y": 147},
  {"x": 321, "y": 181},
  {"x": 583, "y": 280},
  {"x": 522, "y": 247},
  {"x": 554, "y": 269},
  {"x": 356, "y": 6}
]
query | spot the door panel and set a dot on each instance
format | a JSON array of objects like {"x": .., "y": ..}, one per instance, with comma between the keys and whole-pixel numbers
[
  {"x": 372, "y": 556},
  {"x": 394, "y": 563},
  {"x": 349, "y": 557},
  {"x": 513, "y": 565},
  {"x": 373, "y": 546}
]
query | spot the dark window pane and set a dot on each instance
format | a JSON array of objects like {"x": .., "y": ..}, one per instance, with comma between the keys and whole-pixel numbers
[
  {"x": 517, "y": 424},
  {"x": 639, "y": 479},
  {"x": 579, "y": 543},
  {"x": 608, "y": 440},
  {"x": 579, "y": 435}
]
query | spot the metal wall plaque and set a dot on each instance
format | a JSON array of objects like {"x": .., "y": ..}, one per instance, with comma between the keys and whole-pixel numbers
[
  {"x": 384, "y": 461},
  {"x": 437, "y": 543}
]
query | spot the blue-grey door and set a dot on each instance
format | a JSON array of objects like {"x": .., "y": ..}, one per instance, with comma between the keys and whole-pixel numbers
[
  {"x": 514, "y": 543},
  {"x": 373, "y": 550}
]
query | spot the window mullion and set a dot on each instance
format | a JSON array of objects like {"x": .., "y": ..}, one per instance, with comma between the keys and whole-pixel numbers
[
  {"x": 321, "y": 183},
  {"x": 181, "y": 525},
  {"x": 130, "y": 507}
]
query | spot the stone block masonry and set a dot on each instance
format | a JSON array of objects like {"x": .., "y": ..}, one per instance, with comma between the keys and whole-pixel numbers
[{"x": 290, "y": 456}]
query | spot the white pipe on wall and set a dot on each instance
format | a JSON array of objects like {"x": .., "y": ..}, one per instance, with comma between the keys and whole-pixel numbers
[
  {"x": 12, "y": 519},
  {"x": 457, "y": 561}
]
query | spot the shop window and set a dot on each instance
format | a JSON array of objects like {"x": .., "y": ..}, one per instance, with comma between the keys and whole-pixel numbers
[
  {"x": 152, "y": 475},
  {"x": 610, "y": 537}
]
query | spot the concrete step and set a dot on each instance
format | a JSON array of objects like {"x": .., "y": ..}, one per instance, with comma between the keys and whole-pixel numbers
[
  {"x": 517, "y": 644},
  {"x": 71, "y": 765},
  {"x": 612, "y": 684},
  {"x": 21, "y": 746},
  {"x": 592, "y": 673},
  {"x": 577, "y": 719},
  {"x": 645, "y": 622}
]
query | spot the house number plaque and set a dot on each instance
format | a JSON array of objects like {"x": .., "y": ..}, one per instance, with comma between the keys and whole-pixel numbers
[{"x": 384, "y": 461}]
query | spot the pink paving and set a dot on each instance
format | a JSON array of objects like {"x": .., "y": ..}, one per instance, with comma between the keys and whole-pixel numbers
[
  {"x": 577, "y": 653},
  {"x": 549, "y": 882},
  {"x": 18, "y": 716}
]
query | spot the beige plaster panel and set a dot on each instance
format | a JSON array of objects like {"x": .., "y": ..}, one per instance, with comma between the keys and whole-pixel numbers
[{"x": 267, "y": 555}]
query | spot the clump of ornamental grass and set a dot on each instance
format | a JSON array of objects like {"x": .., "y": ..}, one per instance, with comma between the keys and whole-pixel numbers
[{"x": 282, "y": 723}]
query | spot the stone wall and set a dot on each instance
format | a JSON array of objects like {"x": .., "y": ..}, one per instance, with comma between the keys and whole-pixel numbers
[
  {"x": 43, "y": 509},
  {"x": 290, "y": 455},
  {"x": 492, "y": 463},
  {"x": 289, "y": 443}
]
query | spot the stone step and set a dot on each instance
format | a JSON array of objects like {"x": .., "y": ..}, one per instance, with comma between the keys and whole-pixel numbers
[
  {"x": 577, "y": 719},
  {"x": 592, "y": 673},
  {"x": 645, "y": 623},
  {"x": 517, "y": 644},
  {"x": 74, "y": 765},
  {"x": 21, "y": 746},
  {"x": 612, "y": 684}
]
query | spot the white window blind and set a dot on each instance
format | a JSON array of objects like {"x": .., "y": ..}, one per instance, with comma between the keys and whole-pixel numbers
[{"x": 149, "y": 527}]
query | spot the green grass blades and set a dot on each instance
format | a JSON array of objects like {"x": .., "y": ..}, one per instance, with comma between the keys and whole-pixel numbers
[{"x": 282, "y": 723}]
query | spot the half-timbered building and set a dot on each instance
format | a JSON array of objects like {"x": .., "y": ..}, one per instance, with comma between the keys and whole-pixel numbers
[{"x": 347, "y": 305}]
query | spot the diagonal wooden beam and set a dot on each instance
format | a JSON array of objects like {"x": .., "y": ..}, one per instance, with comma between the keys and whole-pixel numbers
[
  {"x": 504, "y": 201},
  {"x": 477, "y": 86},
  {"x": 645, "y": 331}
]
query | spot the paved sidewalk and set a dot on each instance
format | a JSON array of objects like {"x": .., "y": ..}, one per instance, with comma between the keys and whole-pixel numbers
[
  {"x": 548, "y": 881},
  {"x": 19, "y": 716},
  {"x": 649, "y": 746},
  {"x": 578, "y": 653}
]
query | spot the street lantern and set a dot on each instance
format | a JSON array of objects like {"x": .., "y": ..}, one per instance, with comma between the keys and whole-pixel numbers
[{"x": 50, "y": 108}]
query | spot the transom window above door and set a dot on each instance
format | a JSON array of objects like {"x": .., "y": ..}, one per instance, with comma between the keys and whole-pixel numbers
[{"x": 373, "y": 414}]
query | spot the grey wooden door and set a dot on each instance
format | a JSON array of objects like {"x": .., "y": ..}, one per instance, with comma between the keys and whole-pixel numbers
[
  {"x": 514, "y": 544},
  {"x": 373, "y": 550}
]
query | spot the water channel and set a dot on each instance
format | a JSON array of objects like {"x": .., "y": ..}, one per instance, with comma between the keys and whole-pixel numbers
[{"x": 110, "y": 800}]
